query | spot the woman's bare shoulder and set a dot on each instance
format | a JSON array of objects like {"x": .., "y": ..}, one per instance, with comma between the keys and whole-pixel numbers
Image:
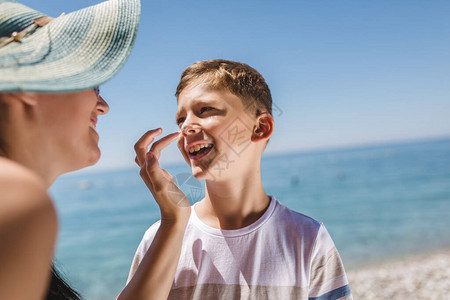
[
  {"x": 28, "y": 227},
  {"x": 21, "y": 192},
  {"x": 12, "y": 170},
  {"x": 16, "y": 180}
]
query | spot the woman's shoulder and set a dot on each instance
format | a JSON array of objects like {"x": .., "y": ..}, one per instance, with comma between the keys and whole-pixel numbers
[
  {"x": 28, "y": 227},
  {"x": 13, "y": 174},
  {"x": 21, "y": 191}
]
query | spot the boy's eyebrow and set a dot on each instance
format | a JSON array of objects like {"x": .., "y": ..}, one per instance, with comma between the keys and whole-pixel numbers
[
  {"x": 177, "y": 114},
  {"x": 198, "y": 101}
]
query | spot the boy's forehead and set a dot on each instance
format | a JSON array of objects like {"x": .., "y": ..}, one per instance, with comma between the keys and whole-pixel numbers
[
  {"x": 201, "y": 92},
  {"x": 197, "y": 89},
  {"x": 205, "y": 93}
]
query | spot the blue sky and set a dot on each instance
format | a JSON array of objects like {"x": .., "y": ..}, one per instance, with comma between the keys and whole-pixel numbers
[{"x": 343, "y": 73}]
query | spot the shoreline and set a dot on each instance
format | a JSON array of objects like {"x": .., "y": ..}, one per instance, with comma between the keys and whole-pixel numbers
[{"x": 415, "y": 276}]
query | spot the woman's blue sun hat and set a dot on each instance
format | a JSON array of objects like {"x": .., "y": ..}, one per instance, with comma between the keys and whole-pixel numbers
[{"x": 72, "y": 52}]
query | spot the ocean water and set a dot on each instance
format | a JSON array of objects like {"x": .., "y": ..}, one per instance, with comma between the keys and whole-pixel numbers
[{"x": 378, "y": 203}]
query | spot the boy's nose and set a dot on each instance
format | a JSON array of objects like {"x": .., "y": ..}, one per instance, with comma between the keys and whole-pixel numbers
[{"x": 189, "y": 129}]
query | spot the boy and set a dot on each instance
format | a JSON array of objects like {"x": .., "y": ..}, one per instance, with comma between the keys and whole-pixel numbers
[{"x": 241, "y": 243}]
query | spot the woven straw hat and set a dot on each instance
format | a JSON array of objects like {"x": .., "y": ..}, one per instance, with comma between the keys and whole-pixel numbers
[{"x": 72, "y": 52}]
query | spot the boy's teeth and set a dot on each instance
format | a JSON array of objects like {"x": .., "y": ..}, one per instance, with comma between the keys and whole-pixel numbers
[
  {"x": 92, "y": 126},
  {"x": 198, "y": 147}
]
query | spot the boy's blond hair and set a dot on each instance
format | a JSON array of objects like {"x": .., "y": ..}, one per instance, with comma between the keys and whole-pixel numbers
[{"x": 238, "y": 78}]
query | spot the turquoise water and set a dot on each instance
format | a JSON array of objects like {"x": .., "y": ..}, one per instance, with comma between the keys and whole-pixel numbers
[{"x": 378, "y": 203}]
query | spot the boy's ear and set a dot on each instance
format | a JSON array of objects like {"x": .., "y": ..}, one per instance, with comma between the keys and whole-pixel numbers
[{"x": 264, "y": 127}]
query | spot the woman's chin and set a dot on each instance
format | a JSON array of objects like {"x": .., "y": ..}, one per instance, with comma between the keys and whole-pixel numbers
[{"x": 93, "y": 158}]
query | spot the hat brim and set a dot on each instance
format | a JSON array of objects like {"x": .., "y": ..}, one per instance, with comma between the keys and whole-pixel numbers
[{"x": 73, "y": 52}]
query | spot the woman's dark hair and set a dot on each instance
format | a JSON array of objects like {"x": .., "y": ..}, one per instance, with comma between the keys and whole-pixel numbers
[{"x": 59, "y": 289}]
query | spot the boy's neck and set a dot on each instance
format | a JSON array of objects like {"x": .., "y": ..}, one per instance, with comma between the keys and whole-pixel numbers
[{"x": 232, "y": 205}]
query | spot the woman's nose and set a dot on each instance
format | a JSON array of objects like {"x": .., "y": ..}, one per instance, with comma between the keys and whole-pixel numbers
[{"x": 102, "y": 106}]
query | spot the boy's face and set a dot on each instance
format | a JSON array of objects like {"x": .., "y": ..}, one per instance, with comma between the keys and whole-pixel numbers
[{"x": 216, "y": 131}]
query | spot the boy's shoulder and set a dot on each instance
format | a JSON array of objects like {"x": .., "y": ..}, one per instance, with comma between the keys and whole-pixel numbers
[
  {"x": 280, "y": 220},
  {"x": 304, "y": 229},
  {"x": 281, "y": 217},
  {"x": 295, "y": 220}
]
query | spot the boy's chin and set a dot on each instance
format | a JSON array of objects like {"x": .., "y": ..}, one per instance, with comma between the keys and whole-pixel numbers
[
  {"x": 202, "y": 174},
  {"x": 199, "y": 173}
]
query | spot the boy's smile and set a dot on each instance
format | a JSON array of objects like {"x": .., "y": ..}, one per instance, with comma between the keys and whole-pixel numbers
[
  {"x": 203, "y": 115},
  {"x": 198, "y": 149}
]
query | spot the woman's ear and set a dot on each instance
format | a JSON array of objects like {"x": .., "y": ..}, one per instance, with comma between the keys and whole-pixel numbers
[
  {"x": 28, "y": 98},
  {"x": 25, "y": 97},
  {"x": 264, "y": 127}
]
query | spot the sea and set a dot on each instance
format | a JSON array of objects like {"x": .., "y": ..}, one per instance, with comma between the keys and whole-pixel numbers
[{"x": 379, "y": 203}]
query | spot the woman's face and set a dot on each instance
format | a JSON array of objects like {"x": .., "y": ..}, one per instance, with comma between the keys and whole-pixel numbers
[{"x": 68, "y": 123}]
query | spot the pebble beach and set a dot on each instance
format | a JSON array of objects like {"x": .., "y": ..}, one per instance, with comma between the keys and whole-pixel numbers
[{"x": 425, "y": 276}]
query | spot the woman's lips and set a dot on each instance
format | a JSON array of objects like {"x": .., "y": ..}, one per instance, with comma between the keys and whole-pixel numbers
[{"x": 93, "y": 124}]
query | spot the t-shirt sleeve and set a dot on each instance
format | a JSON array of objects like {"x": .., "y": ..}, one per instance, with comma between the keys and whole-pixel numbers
[
  {"x": 142, "y": 249},
  {"x": 328, "y": 280}
]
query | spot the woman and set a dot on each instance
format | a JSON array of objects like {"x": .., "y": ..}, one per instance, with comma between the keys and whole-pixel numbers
[{"x": 50, "y": 70}]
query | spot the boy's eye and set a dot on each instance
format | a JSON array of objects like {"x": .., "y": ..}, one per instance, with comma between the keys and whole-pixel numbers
[
  {"x": 205, "y": 109},
  {"x": 179, "y": 121}
]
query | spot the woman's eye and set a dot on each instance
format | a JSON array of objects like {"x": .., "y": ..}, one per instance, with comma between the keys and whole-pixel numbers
[{"x": 205, "y": 109}]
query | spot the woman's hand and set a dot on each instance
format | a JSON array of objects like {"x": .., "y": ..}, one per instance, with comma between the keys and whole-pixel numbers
[
  {"x": 154, "y": 276},
  {"x": 172, "y": 202}
]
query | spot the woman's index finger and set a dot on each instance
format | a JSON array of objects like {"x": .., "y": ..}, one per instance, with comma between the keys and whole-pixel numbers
[
  {"x": 163, "y": 143},
  {"x": 141, "y": 146}
]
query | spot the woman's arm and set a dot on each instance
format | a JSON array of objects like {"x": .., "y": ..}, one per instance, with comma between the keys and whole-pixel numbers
[
  {"x": 154, "y": 276},
  {"x": 28, "y": 228}
]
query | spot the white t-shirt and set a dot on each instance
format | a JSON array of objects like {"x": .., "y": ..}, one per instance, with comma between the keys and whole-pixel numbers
[{"x": 283, "y": 255}]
